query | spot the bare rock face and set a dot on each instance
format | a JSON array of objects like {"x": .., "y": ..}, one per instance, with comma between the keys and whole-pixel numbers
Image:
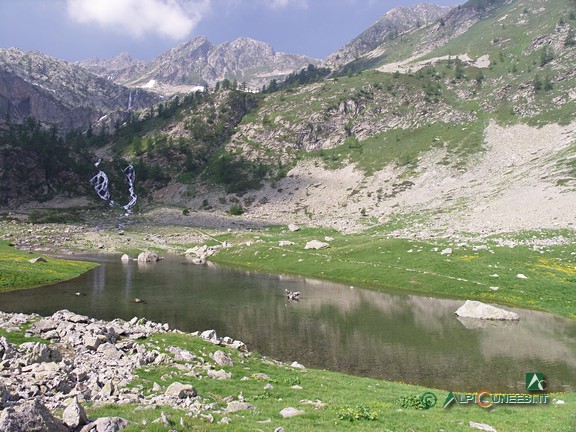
[
  {"x": 60, "y": 93},
  {"x": 479, "y": 310},
  {"x": 31, "y": 416}
]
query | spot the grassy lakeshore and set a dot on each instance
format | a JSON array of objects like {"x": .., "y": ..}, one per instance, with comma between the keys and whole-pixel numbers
[
  {"x": 331, "y": 401},
  {"x": 519, "y": 270},
  {"x": 17, "y": 272}
]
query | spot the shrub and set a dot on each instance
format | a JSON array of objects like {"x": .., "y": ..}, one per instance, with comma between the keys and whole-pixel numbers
[{"x": 236, "y": 210}]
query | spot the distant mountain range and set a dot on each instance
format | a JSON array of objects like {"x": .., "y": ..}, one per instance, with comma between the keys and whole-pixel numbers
[
  {"x": 199, "y": 63},
  {"x": 103, "y": 91}
]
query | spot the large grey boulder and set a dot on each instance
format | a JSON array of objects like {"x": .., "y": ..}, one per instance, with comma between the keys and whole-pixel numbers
[
  {"x": 479, "y": 310},
  {"x": 181, "y": 391},
  {"x": 222, "y": 359},
  {"x": 74, "y": 415},
  {"x": 31, "y": 416},
  {"x": 36, "y": 352}
]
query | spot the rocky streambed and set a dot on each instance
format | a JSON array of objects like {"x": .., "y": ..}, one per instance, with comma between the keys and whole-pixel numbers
[{"x": 76, "y": 360}]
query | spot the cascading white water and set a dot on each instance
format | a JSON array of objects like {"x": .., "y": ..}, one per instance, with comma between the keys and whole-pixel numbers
[
  {"x": 130, "y": 174},
  {"x": 101, "y": 185}
]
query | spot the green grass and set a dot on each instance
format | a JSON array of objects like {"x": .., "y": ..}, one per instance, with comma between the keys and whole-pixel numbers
[
  {"x": 373, "y": 260},
  {"x": 348, "y": 402},
  {"x": 16, "y": 272},
  {"x": 404, "y": 147}
]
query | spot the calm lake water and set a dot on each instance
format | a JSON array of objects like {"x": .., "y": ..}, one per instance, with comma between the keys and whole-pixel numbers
[{"x": 394, "y": 337}]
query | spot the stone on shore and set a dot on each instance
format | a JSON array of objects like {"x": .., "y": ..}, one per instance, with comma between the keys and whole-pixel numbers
[
  {"x": 293, "y": 227},
  {"x": 479, "y": 310}
]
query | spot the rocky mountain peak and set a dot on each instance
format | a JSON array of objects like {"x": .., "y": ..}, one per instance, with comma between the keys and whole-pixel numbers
[
  {"x": 198, "y": 62},
  {"x": 394, "y": 22}
]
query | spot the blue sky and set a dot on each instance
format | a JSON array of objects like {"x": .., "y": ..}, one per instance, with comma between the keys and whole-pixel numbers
[{"x": 78, "y": 29}]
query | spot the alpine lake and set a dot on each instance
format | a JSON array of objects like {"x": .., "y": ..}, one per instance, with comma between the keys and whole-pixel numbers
[{"x": 393, "y": 337}]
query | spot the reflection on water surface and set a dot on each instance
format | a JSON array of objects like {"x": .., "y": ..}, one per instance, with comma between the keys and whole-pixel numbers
[{"x": 389, "y": 336}]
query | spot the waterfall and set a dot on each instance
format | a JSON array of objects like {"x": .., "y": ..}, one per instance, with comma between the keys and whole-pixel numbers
[
  {"x": 101, "y": 185},
  {"x": 130, "y": 100},
  {"x": 130, "y": 174}
]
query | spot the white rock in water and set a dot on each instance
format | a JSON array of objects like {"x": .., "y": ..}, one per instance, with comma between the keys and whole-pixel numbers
[
  {"x": 316, "y": 244},
  {"x": 479, "y": 310},
  {"x": 125, "y": 258},
  {"x": 148, "y": 257}
]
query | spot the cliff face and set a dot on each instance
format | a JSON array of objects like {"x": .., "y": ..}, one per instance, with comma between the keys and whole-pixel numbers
[{"x": 60, "y": 94}]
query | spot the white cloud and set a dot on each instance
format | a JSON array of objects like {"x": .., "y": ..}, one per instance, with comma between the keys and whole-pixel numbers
[
  {"x": 171, "y": 18},
  {"x": 280, "y": 4}
]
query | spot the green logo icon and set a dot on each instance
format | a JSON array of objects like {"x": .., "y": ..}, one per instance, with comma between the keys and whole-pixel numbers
[
  {"x": 535, "y": 381},
  {"x": 450, "y": 399},
  {"x": 428, "y": 400}
]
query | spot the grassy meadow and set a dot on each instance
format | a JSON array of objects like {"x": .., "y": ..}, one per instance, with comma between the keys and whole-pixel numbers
[
  {"x": 374, "y": 260},
  {"x": 17, "y": 272}
]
